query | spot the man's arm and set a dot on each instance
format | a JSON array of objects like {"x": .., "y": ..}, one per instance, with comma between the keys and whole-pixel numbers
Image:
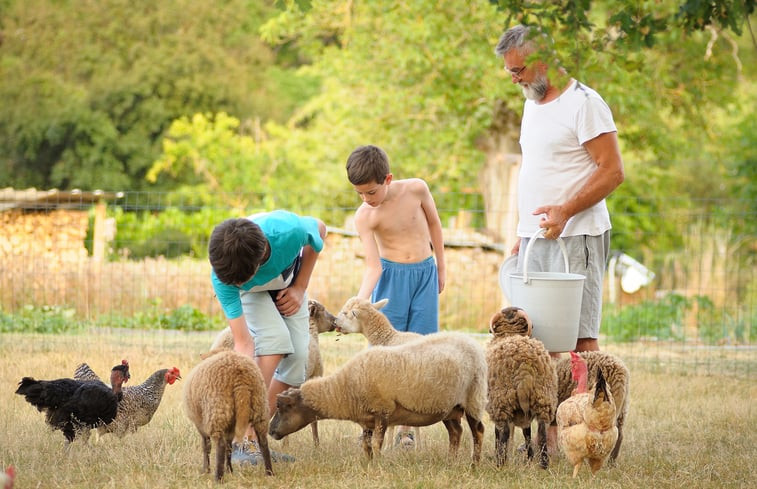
[{"x": 609, "y": 174}]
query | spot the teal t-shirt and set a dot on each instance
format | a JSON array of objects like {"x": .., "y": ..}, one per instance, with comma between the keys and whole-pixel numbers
[{"x": 287, "y": 233}]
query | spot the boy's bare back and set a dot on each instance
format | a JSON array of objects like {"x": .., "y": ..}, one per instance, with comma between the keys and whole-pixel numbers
[{"x": 399, "y": 226}]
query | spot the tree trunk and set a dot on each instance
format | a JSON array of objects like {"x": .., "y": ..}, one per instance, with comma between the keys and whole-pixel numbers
[{"x": 499, "y": 176}]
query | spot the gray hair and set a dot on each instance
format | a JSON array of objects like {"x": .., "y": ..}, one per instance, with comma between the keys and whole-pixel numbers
[{"x": 516, "y": 37}]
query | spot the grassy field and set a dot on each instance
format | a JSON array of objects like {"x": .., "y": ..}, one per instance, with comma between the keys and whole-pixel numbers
[{"x": 684, "y": 430}]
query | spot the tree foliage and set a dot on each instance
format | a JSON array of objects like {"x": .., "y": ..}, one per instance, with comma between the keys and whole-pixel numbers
[{"x": 94, "y": 84}]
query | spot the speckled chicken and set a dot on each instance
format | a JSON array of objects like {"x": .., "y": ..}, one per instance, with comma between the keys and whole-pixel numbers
[
  {"x": 74, "y": 406},
  {"x": 586, "y": 428},
  {"x": 140, "y": 402}
]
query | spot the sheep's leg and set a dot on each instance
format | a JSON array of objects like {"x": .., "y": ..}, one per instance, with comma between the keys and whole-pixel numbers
[
  {"x": 229, "y": 441},
  {"x": 221, "y": 443},
  {"x": 616, "y": 450},
  {"x": 265, "y": 451},
  {"x": 477, "y": 432},
  {"x": 542, "y": 441},
  {"x": 205, "y": 454},
  {"x": 527, "y": 438},
  {"x": 454, "y": 430},
  {"x": 501, "y": 437},
  {"x": 367, "y": 439},
  {"x": 314, "y": 429},
  {"x": 377, "y": 440}
]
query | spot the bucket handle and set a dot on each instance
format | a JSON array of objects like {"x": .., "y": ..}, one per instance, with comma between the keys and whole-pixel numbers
[{"x": 531, "y": 242}]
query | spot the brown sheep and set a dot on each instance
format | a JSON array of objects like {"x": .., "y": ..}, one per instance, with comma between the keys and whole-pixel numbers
[
  {"x": 522, "y": 383},
  {"x": 321, "y": 321},
  {"x": 223, "y": 395}
]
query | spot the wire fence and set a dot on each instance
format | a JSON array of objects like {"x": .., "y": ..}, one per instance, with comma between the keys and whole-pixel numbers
[{"x": 680, "y": 292}]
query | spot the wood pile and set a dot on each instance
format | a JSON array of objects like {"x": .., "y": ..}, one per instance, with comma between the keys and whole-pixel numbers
[{"x": 54, "y": 236}]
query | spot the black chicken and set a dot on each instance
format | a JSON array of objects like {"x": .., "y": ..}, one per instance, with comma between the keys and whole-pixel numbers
[{"x": 72, "y": 405}]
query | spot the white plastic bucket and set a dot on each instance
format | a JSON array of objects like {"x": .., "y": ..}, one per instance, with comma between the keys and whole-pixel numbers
[{"x": 552, "y": 300}]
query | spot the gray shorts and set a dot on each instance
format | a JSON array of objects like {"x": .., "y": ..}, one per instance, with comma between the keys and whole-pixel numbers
[
  {"x": 588, "y": 256},
  {"x": 275, "y": 334}
]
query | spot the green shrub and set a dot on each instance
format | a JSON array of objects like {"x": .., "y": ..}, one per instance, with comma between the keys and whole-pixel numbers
[
  {"x": 45, "y": 319},
  {"x": 664, "y": 320},
  {"x": 661, "y": 320},
  {"x": 183, "y": 318},
  {"x": 170, "y": 233}
]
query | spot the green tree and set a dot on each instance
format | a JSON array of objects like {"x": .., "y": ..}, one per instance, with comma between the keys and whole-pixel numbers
[
  {"x": 90, "y": 87},
  {"x": 423, "y": 82}
]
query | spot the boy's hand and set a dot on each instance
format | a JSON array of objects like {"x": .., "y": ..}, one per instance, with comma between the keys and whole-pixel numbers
[{"x": 288, "y": 301}]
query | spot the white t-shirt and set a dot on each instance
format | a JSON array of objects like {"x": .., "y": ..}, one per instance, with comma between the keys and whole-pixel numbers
[{"x": 555, "y": 163}]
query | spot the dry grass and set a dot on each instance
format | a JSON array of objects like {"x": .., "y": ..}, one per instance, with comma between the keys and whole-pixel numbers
[{"x": 684, "y": 430}]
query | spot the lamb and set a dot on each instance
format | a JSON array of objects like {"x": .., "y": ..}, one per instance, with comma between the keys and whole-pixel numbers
[
  {"x": 360, "y": 316},
  {"x": 522, "y": 383},
  {"x": 616, "y": 375},
  {"x": 321, "y": 321},
  {"x": 438, "y": 377},
  {"x": 224, "y": 394}
]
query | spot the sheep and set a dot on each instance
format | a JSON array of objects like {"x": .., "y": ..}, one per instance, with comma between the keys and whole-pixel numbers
[
  {"x": 522, "y": 383},
  {"x": 223, "y": 395},
  {"x": 511, "y": 321},
  {"x": 360, "y": 316},
  {"x": 321, "y": 321},
  {"x": 618, "y": 379},
  {"x": 438, "y": 377}
]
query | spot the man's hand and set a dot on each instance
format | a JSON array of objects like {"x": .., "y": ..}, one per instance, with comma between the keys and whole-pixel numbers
[{"x": 554, "y": 220}]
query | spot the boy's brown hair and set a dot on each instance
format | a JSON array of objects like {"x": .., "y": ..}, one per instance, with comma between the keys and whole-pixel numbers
[
  {"x": 367, "y": 164},
  {"x": 236, "y": 249}
]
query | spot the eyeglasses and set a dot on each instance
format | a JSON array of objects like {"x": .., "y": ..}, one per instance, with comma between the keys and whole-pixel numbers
[{"x": 515, "y": 71}]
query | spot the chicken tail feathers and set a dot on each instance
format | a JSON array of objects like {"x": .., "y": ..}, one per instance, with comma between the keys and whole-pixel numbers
[
  {"x": 85, "y": 372},
  {"x": 600, "y": 387}
]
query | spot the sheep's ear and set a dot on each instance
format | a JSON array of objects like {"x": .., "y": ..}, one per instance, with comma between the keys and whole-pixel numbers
[
  {"x": 284, "y": 398},
  {"x": 380, "y": 304}
]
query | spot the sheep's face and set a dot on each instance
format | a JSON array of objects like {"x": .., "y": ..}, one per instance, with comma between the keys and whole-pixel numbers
[
  {"x": 291, "y": 414},
  {"x": 354, "y": 312},
  {"x": 321, "y": 320},
  {"x": 510, "y": 321}
]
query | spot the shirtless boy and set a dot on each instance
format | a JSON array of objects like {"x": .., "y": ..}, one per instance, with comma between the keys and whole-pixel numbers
[{"x": 401, "y": 233}]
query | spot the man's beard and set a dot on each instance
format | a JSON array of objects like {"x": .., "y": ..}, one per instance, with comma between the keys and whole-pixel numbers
[{"x": 537, "y": 89}]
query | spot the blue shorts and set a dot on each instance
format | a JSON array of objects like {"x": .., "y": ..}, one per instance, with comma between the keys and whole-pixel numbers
[
  {"x": 413, "y": 293},
  {"x": 275, "y": 334},
  {"x": 587, "y": 255}
]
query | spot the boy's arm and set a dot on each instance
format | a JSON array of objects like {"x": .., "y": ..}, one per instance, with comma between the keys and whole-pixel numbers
[
  {"x": 435, "y": 232},
  {"x": 289, "y": 300},
  {"x": 372, "y": 259},
  {"x": 243, "y": 342}
]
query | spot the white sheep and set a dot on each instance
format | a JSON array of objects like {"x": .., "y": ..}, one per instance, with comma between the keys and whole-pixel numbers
[
  {"x": 522, "y": 383},
  {"x": 438, "y": 377},
  {"x": 223, "y": 395},
  {"x": 616, "y": 375},
  {"x": 361, "y": 316},
  {"x": 321, "y": 321}
]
